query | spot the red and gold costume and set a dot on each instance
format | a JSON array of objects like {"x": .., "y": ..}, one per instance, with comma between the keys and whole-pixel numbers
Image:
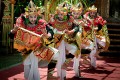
[
  {"x": 32, "y": 35},
  {"x": 102, "y": 35},
  {"x": 65, "y": 35},
  {"x": 96, "y": 31},
  {"x": 99, "y": 26},
  {"x": 33, "y": 38}
]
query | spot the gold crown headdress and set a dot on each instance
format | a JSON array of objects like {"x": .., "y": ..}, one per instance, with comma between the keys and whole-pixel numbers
[
  {"x": 92, "y": 8},
  {"x": 77, "y": 8},
  {"x": 63, "y": 8},
  {"x": 33, "y": 9}
]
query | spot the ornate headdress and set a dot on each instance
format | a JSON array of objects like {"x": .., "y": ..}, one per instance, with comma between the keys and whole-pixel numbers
[
  {"x": 92, "y": 8},
  {"x": 63, "y": 8},
  {"x": 33, "y": 9},
  {"x": 77, "y": 8}
]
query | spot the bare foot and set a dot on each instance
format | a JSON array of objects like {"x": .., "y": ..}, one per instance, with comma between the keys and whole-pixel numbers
[
  {"x": 86, "y": 61},
  {"x": 18, "y": 79},
  {"x": 92, "y": 68},
  {"x": 52, "y": 78},
  {"x": 65, "y": 66}
]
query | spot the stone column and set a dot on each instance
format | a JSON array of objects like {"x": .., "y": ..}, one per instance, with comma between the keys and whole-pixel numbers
[
  {"x": 6, "y": 20},
  {"x": 12, "y": 23},
  {"x": 105, "y": 8},
  {"x": 98, "y": 5},
  {"x": 12, "y": 11}
]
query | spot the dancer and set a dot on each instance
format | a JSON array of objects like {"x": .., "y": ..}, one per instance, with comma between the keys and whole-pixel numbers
[
  {"x": 95, "y": 23},
  {"x": 31, "y": 22},
  {"x": 65, "y": 37}
]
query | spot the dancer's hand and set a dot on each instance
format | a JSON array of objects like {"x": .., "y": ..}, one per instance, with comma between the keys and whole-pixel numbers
[
  {"x": 69, "y": 32},
  {"x": 45, "y": 34},
  {"x": 15, "y": 28}
]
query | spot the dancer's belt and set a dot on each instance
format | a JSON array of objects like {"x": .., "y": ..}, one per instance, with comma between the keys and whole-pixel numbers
[{"x": 58, "y": 37}]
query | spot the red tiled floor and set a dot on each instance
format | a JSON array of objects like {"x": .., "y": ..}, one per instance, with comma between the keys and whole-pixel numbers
[
  {"x": 108, "y": 69},
  {"x": 109, "y": 78}
]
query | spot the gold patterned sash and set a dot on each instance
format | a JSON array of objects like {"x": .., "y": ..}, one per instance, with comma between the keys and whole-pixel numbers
[{"x": 24, "y": 36}]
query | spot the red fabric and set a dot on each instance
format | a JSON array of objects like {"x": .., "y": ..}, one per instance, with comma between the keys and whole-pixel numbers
[
  {"x": 37, "y": 28},
  {"x": 62, "y": 25},
  {"x": 88, "y": 27},
  {"x": 86, "y": 15},
  {"x": 99, "y": 20},
  {"x": 19, "y": 22}
]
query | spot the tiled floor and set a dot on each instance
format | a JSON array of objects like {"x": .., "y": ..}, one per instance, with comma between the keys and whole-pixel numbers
[{"x": 107, "y": 69}]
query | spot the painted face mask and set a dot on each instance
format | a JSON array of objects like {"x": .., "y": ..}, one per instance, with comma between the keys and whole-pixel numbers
[
  {"x": 32, "y": 18},
  {"x": 92, "y": 13},
  {"x": 60, "y": 16}
]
